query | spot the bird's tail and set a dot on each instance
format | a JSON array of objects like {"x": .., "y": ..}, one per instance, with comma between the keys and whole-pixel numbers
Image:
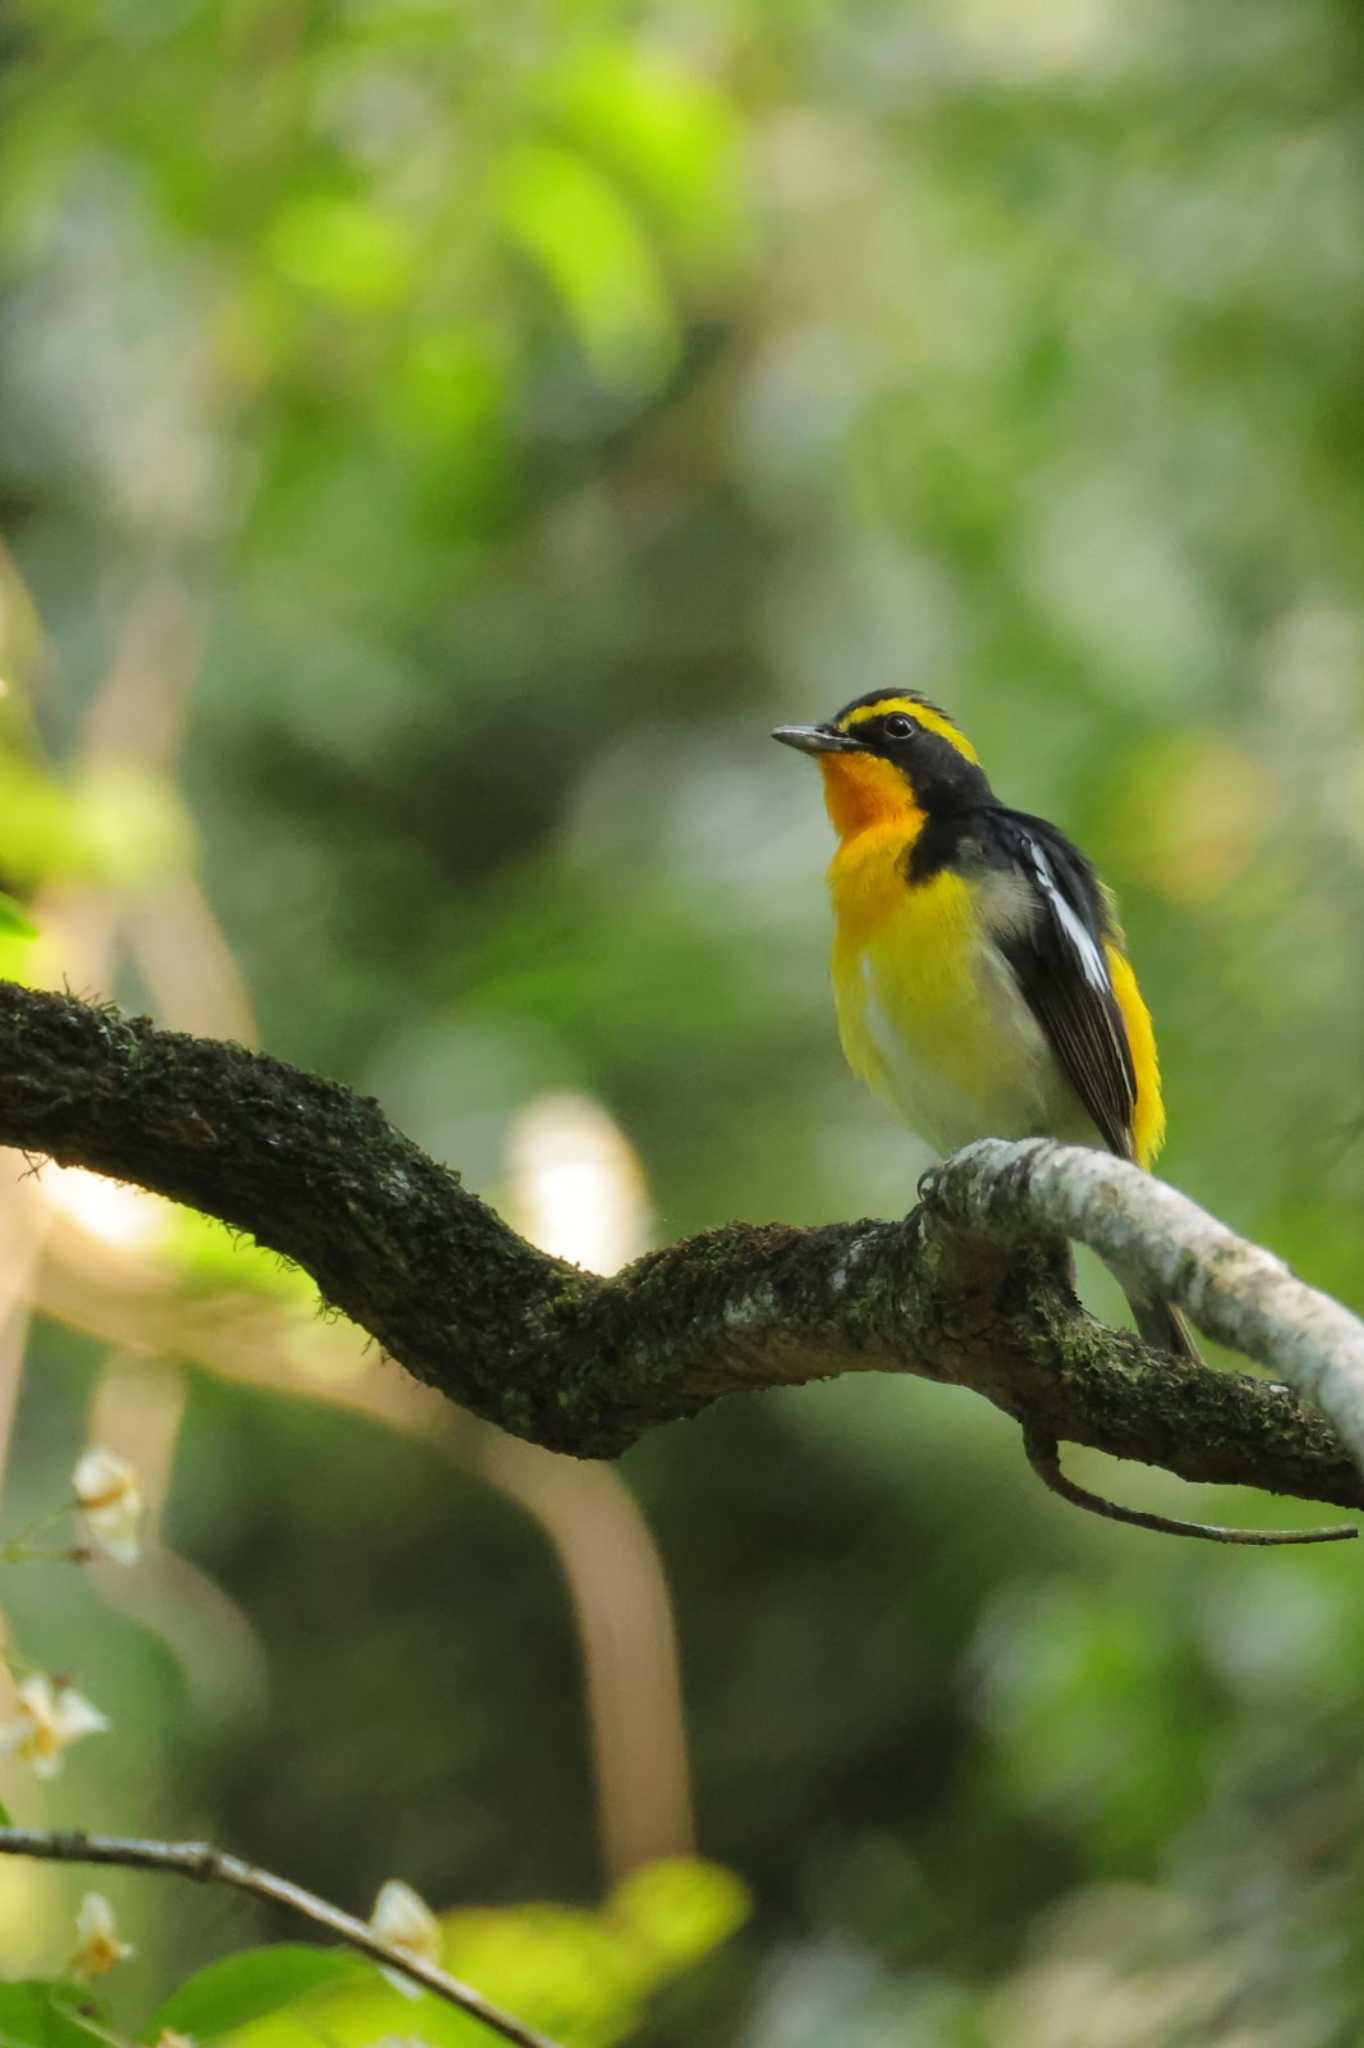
[{"x": 1164, "y": 1328}]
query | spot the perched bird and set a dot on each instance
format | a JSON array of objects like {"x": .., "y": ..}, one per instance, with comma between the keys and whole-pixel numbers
[{"x": 979, "y": 971}]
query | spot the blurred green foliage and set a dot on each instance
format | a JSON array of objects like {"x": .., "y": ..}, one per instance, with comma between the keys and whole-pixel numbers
[
  {"x": 51, "y": 2014},
  {"x": 585, "y": 1976},
  {"x": 436, "y": 444}
]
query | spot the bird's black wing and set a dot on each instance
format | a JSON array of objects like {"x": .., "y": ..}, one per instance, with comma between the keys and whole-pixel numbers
[{"x": 1059, "y": 960}]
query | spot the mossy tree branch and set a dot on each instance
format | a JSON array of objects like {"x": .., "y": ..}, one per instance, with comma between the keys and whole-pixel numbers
[{"x": 972, "y": 1288}]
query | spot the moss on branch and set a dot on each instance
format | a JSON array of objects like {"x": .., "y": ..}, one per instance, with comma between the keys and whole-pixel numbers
[{"x": 315, "y": 1172}]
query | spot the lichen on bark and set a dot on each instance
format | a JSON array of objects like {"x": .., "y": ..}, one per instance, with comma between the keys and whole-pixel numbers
[{"x": 966, "y": 1290}]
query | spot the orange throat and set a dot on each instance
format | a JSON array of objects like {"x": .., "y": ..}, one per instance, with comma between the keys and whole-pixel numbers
[{"x": 861, "y": 791}]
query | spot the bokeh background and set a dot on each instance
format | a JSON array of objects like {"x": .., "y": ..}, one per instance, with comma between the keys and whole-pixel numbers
[{"x": 437, "y": 442}]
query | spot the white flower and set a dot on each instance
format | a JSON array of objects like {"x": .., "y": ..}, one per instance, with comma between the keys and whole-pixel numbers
[
  {"x": 109, "y": 1496},
  {"x": 100, "y": 1945},
  {"x": 402, "y": 1918},
  {"x": 50, "y": 1717}
]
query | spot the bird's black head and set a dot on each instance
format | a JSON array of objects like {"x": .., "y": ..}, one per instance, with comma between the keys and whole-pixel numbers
[{"x": 889, "y": 750}]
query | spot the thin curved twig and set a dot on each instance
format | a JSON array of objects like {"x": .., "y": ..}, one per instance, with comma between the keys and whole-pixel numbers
[
  {"x": 1044, "y": 1455},
  {"x": 206, "y": 1865}
]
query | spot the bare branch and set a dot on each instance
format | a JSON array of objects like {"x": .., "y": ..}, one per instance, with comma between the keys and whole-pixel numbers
[
  {"x": 1148, "y": 1232},
  {"x": 971, "y": 1289},
  {"x": 214, "y": 1866}
]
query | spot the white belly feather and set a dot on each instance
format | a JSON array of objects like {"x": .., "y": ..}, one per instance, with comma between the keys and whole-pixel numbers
[{"x": 1018, "y": 1092}]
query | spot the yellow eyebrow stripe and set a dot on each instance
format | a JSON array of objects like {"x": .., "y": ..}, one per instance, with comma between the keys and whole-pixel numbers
[{"x": 927, "y": 715}]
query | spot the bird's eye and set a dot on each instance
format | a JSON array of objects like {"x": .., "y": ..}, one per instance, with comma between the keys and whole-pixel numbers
[{"x": 898, "y": 726}]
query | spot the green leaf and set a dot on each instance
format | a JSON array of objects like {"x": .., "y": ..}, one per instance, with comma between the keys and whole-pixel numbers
[
  {"x": 346, "y": 250},
  {"x": 5, "y": 1821},
  {"x": 680, "y": 1908},
  {"x": 43, "y": 2014},
  {"x": 672, "y": 137},
  {"x": 14, "y": 918},
  {"x": 242, "y": 1988},
  {"x": 575, "y": 226}
]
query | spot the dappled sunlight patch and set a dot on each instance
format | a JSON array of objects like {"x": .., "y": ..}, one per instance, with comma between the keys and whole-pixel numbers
[{"x": 577, "y": 1186}]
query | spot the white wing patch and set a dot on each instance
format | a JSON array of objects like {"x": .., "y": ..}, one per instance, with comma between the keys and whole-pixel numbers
[{"x": 1091, "y": 959}]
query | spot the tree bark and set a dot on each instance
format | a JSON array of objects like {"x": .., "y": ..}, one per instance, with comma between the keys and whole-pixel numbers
[{"x": 971, "y": 1289}]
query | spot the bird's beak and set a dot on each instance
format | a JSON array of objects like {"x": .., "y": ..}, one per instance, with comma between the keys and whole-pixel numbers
[{"x": 817, "y": 739}]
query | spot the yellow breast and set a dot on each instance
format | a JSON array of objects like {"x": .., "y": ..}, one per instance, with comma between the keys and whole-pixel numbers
[
  {"x": 929, "y": 1014},
  {"x": 907, "y": 950}
]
